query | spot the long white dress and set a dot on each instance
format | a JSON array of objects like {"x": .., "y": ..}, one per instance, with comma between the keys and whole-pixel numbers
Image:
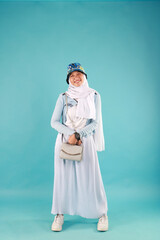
[{"x": 78, "y": 187}]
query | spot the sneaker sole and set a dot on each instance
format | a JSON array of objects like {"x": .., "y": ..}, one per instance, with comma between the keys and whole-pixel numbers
[
  {"x": 56, "y": 230},
  {"x": 102, "y": 229}
]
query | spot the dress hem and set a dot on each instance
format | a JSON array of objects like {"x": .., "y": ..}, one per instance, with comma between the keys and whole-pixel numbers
[{"x": 81, "y": 215}]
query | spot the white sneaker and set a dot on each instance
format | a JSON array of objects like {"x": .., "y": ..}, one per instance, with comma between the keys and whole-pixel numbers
[
  {"x": 102, "y": 224},
  {"x": 57, "y": 223}
]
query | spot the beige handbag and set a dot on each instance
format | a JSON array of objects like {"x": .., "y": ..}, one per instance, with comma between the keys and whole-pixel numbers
[{"x": 71, "y": 151}]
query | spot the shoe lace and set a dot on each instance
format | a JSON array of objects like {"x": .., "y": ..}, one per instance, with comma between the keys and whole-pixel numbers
[
  {"x": 58, "y": 218},
  {"x": 102, "y": 219}
]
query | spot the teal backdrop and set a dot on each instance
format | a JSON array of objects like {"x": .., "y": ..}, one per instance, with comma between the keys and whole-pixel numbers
[{"x": 117, "y": 43}]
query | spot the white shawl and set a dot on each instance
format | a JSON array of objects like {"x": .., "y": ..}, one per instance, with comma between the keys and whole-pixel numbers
[{"x": 86, "y": 108}]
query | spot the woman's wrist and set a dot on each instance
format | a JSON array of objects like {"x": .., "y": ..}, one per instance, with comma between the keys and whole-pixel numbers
[{"x": 77, "y": 136}]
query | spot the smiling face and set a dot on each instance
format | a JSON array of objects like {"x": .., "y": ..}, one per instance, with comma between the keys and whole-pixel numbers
[{"x": 76, "y": 78}]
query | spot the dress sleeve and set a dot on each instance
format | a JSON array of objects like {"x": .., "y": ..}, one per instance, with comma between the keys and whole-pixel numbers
[
  {"x": 56, "y": 117},
  {"x": 89, "y": 129}
]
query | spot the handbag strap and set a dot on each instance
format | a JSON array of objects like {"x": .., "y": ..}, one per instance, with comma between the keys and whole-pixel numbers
[
  {"x": 66, "y": 103},
  {"x": 67, "y": 115},
  {"x": 67, "y": 112}
]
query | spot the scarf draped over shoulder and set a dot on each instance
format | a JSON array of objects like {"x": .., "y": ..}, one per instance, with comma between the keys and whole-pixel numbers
[{"x": 86, "y": 108}]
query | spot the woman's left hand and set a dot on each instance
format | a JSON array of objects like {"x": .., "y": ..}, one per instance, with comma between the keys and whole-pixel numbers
[
  {"x": 79, "y": 142},
  {"x": 73, "y": 140}
]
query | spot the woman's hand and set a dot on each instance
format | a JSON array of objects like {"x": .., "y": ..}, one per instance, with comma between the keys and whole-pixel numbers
[
  {"x": 72, "y": 140},
  {"x": 79, "y": 142}
]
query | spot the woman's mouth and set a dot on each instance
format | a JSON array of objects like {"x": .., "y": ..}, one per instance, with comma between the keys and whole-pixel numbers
[{"x": 77, "y": 81}]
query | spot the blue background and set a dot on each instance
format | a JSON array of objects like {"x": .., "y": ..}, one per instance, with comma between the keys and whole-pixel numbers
[{"x": 117, "y": 43}]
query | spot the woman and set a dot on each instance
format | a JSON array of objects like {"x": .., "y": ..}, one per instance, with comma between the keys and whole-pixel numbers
[{"x": 78, "y": 187}]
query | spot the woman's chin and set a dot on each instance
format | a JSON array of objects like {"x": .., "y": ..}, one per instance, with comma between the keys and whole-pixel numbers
[{"x": 77, "y": 84}]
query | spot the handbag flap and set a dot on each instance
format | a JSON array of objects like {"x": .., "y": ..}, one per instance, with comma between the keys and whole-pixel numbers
[{"x": 71, "y": 149}]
